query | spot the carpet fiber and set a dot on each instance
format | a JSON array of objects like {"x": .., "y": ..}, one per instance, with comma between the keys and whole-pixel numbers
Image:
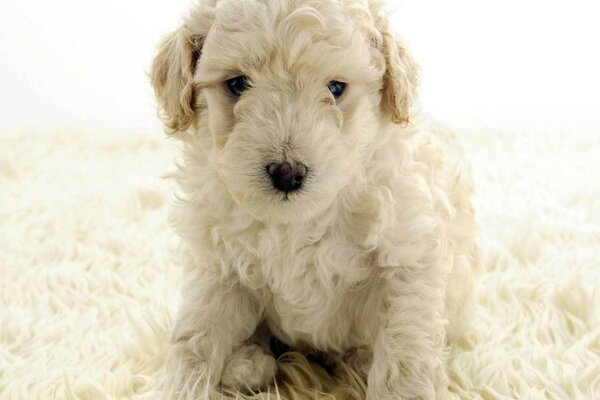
[{"x": 88, "y": 286}]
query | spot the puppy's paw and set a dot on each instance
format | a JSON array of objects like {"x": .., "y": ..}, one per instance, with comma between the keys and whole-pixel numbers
[
  {"x": 406, "y": 381},
  {"x": 248, "y": 367}
]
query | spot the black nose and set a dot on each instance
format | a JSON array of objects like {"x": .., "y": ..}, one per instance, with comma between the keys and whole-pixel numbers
[{"x": 287, "y": 177}]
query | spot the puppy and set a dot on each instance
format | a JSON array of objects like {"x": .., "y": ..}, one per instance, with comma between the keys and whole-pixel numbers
[{"x": 311, "y": 203}]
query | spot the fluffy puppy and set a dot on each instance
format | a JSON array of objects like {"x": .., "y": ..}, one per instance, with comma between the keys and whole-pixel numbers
[{"x": 310, "y": 202}]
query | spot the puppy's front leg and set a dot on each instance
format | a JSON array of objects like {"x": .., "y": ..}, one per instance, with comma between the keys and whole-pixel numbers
[
  {"x": 407, "y": 354},
  {"x": 215, "y": 316}
]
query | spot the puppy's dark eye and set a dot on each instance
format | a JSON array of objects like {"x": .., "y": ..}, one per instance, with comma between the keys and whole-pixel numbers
[
  {"x": 237, "y": 85},
  {"x": 336, "y": 88}
]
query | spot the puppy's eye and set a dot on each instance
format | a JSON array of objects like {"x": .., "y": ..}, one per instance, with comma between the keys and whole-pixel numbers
[
  {"x": 237, "y": 85},
  {"x": 336, "y": 88}
]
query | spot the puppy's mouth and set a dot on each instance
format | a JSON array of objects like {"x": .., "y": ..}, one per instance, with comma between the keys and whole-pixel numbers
[{"x": 286, "y": 196}]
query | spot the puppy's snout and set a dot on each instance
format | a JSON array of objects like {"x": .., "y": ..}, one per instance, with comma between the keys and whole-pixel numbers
[{"x": 287, "y": 177}]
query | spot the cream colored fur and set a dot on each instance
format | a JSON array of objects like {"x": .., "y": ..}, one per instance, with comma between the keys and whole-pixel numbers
[
  {"x": 89, "y": 292},
  {"x": 378, "y": 250}
]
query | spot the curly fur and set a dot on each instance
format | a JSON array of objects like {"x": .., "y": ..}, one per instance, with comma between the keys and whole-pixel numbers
[{"x": 376, "y": 254}]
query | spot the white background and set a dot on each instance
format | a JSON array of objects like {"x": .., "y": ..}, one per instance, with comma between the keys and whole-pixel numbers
[{"x": 82, "y": 64}]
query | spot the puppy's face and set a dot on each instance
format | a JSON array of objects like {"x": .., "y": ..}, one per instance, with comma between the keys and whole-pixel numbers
[{"x": 290, "y": 91}]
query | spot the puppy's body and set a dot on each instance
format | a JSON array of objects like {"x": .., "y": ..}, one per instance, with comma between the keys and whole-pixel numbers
[{"x": 375, "y": 255}]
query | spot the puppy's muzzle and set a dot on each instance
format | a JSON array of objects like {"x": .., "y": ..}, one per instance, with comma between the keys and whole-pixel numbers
[{"x": 287, "y": 177}]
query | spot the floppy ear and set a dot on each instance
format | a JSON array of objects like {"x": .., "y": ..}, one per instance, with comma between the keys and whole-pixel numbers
[
  {"x": 400, "y": 79},
  {"x": 172, "y": 76}
]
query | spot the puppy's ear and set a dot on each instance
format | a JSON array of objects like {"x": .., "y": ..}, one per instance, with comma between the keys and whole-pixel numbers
[
  {"x": 172, "y": 76},
  {"x": 400, "y": 80}
]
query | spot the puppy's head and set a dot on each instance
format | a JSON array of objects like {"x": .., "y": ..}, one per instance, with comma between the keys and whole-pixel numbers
[{"x": 290, "y": 91}]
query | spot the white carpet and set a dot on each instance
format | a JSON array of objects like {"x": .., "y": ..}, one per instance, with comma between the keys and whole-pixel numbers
[{"x": 88, "y": 288}]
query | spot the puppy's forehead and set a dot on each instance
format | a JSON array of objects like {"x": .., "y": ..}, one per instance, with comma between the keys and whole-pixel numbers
[{"x": 249, "y": 35}]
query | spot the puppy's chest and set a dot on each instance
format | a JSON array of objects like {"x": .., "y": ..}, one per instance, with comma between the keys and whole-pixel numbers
[
  {"x": 326, "y": 318},
  {"x": 313, "y": 288}
]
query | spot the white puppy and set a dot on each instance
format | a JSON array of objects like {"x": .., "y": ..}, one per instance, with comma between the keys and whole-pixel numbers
[{"x": 310, "y": 202}]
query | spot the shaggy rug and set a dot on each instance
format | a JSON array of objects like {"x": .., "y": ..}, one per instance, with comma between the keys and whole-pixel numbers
[{"x": 88, "y": 286}]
